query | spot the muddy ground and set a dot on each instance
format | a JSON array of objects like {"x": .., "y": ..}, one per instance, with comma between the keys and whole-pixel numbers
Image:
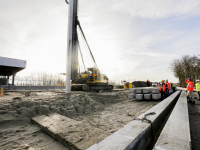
[{"x": 107, "y": 111}]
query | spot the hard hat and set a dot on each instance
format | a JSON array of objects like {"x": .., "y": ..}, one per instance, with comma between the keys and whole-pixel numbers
[{"x": 197, "y": 80}]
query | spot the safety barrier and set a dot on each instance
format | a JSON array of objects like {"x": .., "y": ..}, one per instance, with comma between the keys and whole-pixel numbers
[
  {"x": 138, "y": 133},
  {"x": 176, "y": 133}
]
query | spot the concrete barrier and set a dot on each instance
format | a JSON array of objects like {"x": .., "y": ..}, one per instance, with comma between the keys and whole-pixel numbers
[
  {"x": 138, "y": 133},
  {"x": 176, "y": 133}
]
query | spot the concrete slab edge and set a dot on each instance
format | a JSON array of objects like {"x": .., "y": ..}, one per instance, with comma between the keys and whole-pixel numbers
[{"x": 55, "y": 136}]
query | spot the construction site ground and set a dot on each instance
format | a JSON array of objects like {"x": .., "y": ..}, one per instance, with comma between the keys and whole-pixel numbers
[{"x": 108, "y": 111}]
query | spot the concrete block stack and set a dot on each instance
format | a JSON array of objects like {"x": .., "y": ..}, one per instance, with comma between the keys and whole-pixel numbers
[
  {"x": 132, "y": 94},
  {"x": 148, "y": 93},
  {"x": 139, "y": 94},
  {"x": 156, "y": 95}
]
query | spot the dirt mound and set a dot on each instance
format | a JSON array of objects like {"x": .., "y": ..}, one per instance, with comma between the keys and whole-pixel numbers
[{"x": 67, "y": 105}]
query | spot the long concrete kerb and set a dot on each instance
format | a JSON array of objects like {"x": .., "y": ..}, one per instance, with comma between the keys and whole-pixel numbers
[
  {"x": 138, "y": 133},
  {"x": 176, "y": 133}
]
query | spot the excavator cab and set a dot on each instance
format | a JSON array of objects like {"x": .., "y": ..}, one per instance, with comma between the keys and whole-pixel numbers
[{"x": 94, "y": 75}]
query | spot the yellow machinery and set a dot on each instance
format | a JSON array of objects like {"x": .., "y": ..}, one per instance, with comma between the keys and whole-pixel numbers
[
  {"x": 127, "y": 85},
  {"x": 1, "y": 92},
  {"x": 91, "y": 80}
]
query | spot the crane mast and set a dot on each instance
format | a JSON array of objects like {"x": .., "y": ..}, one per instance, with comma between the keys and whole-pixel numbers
[{"x": 72, "y": 45}]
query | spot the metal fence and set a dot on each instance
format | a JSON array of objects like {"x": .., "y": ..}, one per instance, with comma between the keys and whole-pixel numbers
[{"x": 28, "y": 82}]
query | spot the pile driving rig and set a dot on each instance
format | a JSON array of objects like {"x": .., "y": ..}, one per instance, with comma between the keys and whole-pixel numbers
[{"x": 91, "y": 78}]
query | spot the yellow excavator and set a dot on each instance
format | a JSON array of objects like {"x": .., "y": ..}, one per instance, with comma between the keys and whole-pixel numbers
[{"x": 90, "y": 78}]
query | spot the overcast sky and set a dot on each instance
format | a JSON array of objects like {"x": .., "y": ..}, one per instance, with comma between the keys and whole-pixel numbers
[{"x": 139, "y": 38}]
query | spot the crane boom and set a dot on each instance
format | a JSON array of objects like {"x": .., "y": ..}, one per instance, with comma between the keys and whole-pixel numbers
[{"x": 87, "y": 43}]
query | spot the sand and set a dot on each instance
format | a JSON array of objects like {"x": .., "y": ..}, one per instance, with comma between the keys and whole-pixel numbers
[{"x": 107, "y": 111}]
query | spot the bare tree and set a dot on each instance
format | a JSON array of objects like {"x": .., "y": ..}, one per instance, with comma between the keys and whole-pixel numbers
[
  {"x": 45, "y": 79},
  {"x": 186, "y": 67}
]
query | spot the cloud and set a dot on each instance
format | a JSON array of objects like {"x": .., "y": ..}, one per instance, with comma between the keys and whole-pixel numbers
[
  {"x": 138, "y": 37},
  {"x": 157, "y": 9}
]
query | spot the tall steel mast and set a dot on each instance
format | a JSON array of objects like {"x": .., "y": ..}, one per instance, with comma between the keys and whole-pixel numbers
[{"x": 72, "y": 45}]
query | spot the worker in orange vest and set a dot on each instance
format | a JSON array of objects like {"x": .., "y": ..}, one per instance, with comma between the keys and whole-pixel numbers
[
  {"x": 95, "y": 76},
  {"x": 163, "y": 87},
  {"x": 190, "y": 90},
  {"x": 168, "y": 87},
  {"x": 158, "y": 84}
]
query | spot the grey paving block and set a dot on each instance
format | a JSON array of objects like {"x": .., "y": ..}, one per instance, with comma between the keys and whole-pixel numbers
[
  {"x": 156, "y": 96},
  {"x": 155, "y": 90},
  {"x": 146, "y": 90},
  {"x": 139, "y": 96},
  {"x": 139, "y": 91},
  {"x": 132, "y": 90},
  {"x": 131, "y": 95},
  {"x": 147, "y": 96}
]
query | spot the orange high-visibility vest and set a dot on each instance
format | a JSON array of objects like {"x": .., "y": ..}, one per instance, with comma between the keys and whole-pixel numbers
[
  {"x": 162, "y": 88},
  {"x": 168, "y": 84},
  {"x": 190, "y": 86}
]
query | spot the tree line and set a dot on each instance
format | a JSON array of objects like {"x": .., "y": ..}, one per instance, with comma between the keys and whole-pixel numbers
[
  {"x": 47, "y": 79},
  {"x": 186, "y": 67}
]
